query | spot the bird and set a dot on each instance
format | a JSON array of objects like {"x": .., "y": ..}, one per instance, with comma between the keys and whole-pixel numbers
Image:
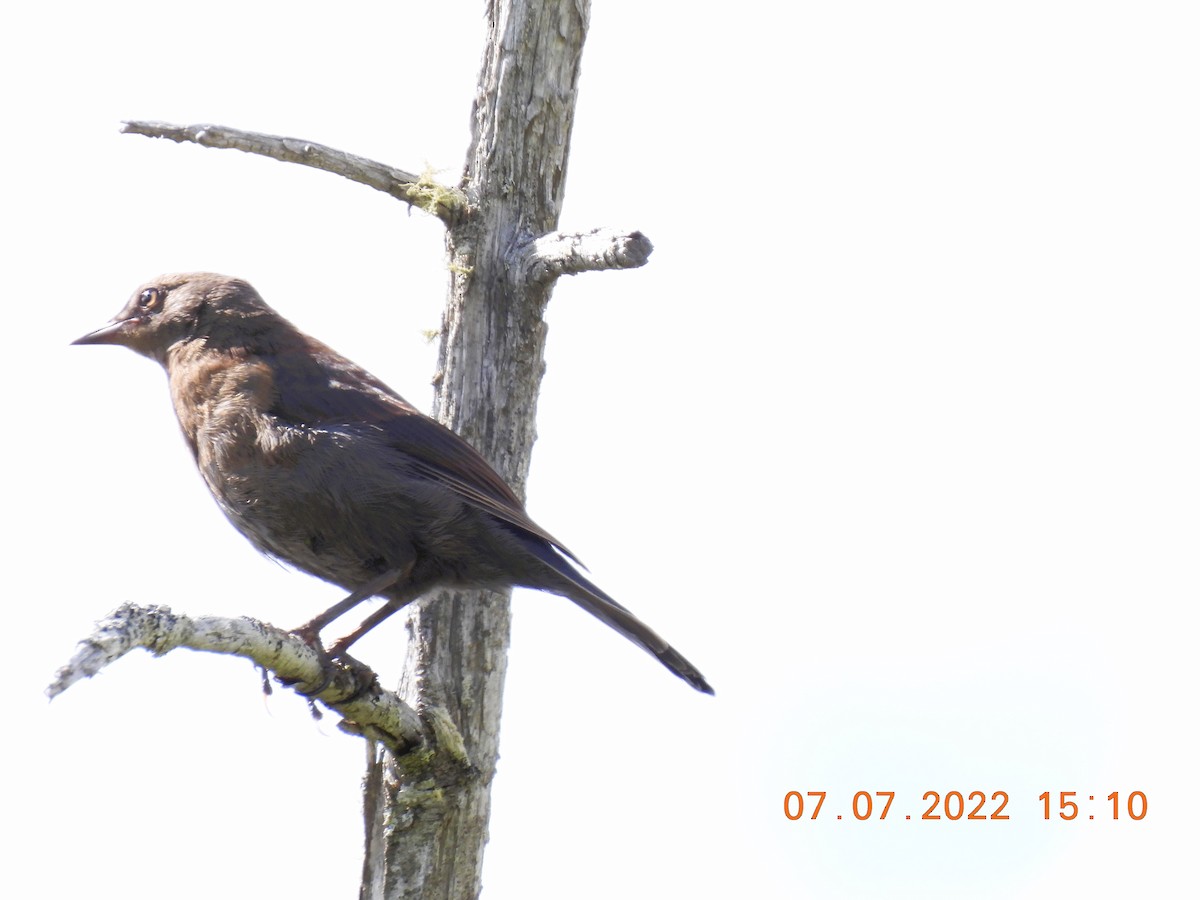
[{"x": 320, "y": 464}]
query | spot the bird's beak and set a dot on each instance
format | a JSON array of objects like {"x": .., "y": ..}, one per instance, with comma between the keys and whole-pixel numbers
[{"x": 114, "y": 332}]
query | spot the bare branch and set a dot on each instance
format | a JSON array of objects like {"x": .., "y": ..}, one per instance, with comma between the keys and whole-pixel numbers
[
  {"x": 353, "y": 692},
  {"x": 560, "y": 253},
  {"x": 447, "y": 203}
]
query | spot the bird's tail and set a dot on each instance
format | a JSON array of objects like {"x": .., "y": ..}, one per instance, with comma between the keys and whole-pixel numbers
[{"x": 574, "y": 586}]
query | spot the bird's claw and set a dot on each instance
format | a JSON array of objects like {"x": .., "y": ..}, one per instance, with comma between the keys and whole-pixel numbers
[
  {"x": 364, "y": 675},
  {"x": 331, "y": 658},
  {"x": 311, "y": 635}
]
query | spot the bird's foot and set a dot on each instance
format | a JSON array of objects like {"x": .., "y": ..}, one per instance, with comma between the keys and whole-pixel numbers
[
  {"x": 334, "y": 661},
  {"x": 328, "y": 673},
  {"x": 364, "y": 675},
  {"x": 310, "y": 633}
]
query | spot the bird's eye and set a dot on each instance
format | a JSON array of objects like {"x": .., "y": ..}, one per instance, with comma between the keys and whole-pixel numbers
[{"x": 150, "y": 299}]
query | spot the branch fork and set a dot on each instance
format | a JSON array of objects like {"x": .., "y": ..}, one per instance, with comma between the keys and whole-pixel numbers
[
  {"x": 545, "y": 258},
  {"x": 447, "y": 203}
]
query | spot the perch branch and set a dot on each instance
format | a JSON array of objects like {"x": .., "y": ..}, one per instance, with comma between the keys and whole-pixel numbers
[
  {"x": 352, "y": 692},
  {"x": 559, "y": 253},
  {"x": 447, "y": 203}
]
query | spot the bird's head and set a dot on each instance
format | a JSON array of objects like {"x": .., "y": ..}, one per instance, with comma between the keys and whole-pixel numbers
[{"x": 174, "y": 309}]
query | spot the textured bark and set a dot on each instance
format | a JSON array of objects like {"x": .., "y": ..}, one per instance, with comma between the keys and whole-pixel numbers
[
  {"x": 418, "y": 190},
  {"x": 352, "y": 692},
  {"x": 426, "y": 836}
]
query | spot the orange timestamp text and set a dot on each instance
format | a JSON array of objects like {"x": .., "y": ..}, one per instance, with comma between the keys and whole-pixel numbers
[{"x": 971, "y": 806}]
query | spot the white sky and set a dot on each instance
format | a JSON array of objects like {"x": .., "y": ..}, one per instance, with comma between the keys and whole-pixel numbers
[{"x": 895, "y": 437}]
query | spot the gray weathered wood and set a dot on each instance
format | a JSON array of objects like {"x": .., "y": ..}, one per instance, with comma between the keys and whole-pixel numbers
[{"x": 428, "y": 842}]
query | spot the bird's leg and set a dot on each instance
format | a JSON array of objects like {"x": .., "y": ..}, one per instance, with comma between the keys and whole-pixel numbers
[
  {"x": 310, "y": 631},
  {"x": 341, "y": 645}
]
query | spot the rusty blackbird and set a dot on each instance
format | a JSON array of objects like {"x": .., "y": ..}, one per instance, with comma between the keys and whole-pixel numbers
[{"x": 319, "y": 463}]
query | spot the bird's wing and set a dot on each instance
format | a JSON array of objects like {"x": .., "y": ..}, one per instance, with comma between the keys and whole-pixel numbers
[{"x": 318, "y": 386}]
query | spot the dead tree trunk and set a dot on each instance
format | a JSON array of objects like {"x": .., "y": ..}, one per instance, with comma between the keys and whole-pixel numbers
[{"x": 427, "y": 840}]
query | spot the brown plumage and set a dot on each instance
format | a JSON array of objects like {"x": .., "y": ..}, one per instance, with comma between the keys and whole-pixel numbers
[{"x": 319, "y": 463}]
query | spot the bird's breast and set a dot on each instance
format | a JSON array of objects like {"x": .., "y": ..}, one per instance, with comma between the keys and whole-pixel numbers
[{"x": 335, "y": 498}]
